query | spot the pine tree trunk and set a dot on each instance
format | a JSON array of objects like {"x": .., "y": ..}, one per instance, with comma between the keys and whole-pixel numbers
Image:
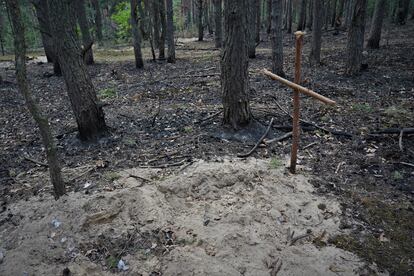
[
  {"x": 309, "y": 17},
  {"x": 376, "y": 25},
  {"x": 200, "y": 20},
  {"x": 258, "y": 20},
  {"x": 42, "y": 12},
  {"x": 315, "y": 55},
  {"x": 136, "y": 35},
  {"x": 163, "y": 19},
  {"x": 302, "y": 14},
  {"x": 355, "y": 45},
  {"x": 23, "y": 85},
  {"x": 277, "y": 38},
  {"x": 402, "y": 11},
  {"x": 84, "y": 27},
  {"x": 88, "y": 113},
  {"x": 98, "y": 19},
  {"x": 234, "y": 65},
  {"x": 218, "y": 35},
  {"x": 170, "y": 32},
  {"x": 251, "y": 23},
  {"x": 156, "y": 23}
]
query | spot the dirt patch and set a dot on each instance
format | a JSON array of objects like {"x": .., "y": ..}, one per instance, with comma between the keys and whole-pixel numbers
[{"x": 229, "y": 217}]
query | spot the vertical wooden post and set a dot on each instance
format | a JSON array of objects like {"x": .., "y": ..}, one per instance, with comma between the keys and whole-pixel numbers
[{"x": 296, "y": 103}]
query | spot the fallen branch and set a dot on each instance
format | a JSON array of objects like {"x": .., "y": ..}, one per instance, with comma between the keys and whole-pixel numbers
[
  {"x": 164, "y": 166},
  {"x": 156, "y": 113},
  {"x": 407, "y": 164},
  {"x": 280, "y": 138},
  {"x": 294, "y": 240},
  {"x": 36, "y": 162},
  {"x": 406, "y": 131},
  {"x": 210, "y": 117},
  {"x": 258, "y": 142},
  {"x": 400, "y": 140},
  {"x": 140, "y": 177}
]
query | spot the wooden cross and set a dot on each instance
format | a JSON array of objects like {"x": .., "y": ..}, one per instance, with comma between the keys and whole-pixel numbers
[{"x": 296, "y": 100}]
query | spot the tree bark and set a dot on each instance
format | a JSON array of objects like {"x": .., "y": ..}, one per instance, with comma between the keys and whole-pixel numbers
[
  {"x": 355, "y": 45},
  {"x": 84, "y": 27},
  {"x": 42, "y": 12},
  {"x": 23, "y": 85},
  {"x": 136, "y": 36},
  {"x": 302, "y": 14},
  {"x": 98, "y": 19},
  {"x": 258, "y": 18},
  {"x": 163, "y": 19},
  {"x": 315, "y": 55},
  {"x": 309, "y": 17},
  {"x": 289, "y": 16},
  {"x": 234, "y": 66},
  {"x": 402, "y": 11},
  {"x": 200, "y": 20},
  {"x": 156, "y": 23},
  {"x": 170, "y": 32},
  {"x": 218, "y": 35},
  {"x": 277, "y": 38},
  {"x": 269, "y": 16},
  {"x": 376, "y": 25},
  {"x": 251, "y": 23},
  {"x": 88, "y": 113}
]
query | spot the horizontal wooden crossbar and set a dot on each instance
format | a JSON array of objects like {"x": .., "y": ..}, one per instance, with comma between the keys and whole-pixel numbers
[{"x": 299, "y": 88}]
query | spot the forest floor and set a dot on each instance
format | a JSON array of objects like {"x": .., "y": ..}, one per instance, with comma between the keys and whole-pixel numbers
[{"x": 168, "y": 114}]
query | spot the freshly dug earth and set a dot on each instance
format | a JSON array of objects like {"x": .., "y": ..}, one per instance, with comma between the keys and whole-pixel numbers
[{"x": 225, "y": 217}]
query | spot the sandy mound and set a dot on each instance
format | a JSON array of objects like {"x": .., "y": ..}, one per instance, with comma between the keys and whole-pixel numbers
[{"x": 218, "y": 218}]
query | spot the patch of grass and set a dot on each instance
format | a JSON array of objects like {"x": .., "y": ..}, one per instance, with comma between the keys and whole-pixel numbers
[
  {"x": 111, "y": 262},
  {"x": 396, "y": 115},
  {"x": 364, "y": 107},
  {"x": 396, "y": 175},
  {"x": 112, "y": 176},
  {"x": 188, "y": 129},
  {"x": 107, "y": 93},
  {"x": 275, "y": 163},
  {"x": 395, "y": 221}
]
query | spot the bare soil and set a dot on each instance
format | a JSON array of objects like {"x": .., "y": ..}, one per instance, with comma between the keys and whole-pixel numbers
[{"x": 158, "y": 116}]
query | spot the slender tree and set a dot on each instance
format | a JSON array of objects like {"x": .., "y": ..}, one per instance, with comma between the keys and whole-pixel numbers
[
  {"x": 136, "y": 35},
  {"x": 170, "y": 32},
  {"x": 302, "y": 15},
  {"x": 234, "y": 65},
  {"x": 289, "y": 16},
  {"x": 258, "y": 20},
  {"x": 402, "y": 11},
  {"x": 23, "y": 85},
  {"x": 163, "y": 19},
  {"x": 277, "y": 38},
  {"x": 200, "y": 10},
  {"x": 218, "y": 22},
  {"x": 98, "y": 19},
  {"x": 252, "y": 20},
  {"x": 376, "y": 25},
  {"x": 156, "y": 22},
  {"x": 355, "y": 44},
  {"x": 315, "y": 55},
  {"x": 84, "y": 27},
  {"x": 88, "y": 113},
  {"x": 42, "y": 13},
  {"x": 309, "y": 16}
]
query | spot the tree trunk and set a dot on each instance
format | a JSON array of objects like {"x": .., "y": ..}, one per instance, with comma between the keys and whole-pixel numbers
[
  {"x": 376, "y": 25},
  {"x": 163, "y": 19},
  {"x": 302, "y": 15},
  {"x": 42, "y": 12},
  {"x": 156, "y": 23},
  {"x": 309, "y": 17},
  {"x": 355, "y": 44},
  {"x": 251, "y": 23},
  {"x": 170, "y": 32},
  {"x": 84, "y": 27},
  {"x": 402, "y": 12},
  {"x": 335, "y": 3},
  {"x": 258, "y": 18},
  {"x": 23, "y": 85},
  {"x": 88, "y": 113},
  {"x": 2, "y": 31},
  {"x": 200, "y": 20},
  {"x": 277, "y": 38},
  {"x": 218, "y": 36},
  {"x": 315, "y": 55},
  {"x": 136, "y": 36},
  {"x": 269, "y": 16},
  {"x": 289, "y": 16},
  {"x": 234, "y": 65},
  {"x": 98, "y": 19}
]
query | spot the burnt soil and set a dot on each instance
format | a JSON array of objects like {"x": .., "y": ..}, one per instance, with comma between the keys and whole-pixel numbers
[{"x": 164, "y": 114}]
